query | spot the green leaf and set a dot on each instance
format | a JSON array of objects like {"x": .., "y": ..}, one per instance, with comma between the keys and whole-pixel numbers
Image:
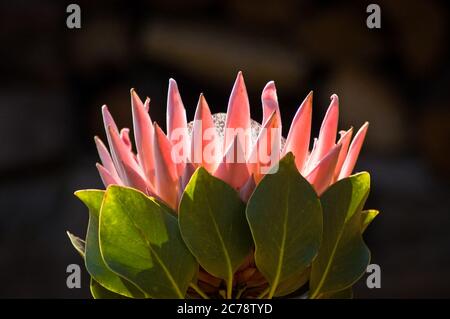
[
  {"x": 93, "y": 259},
  {"x": 100, "y": 292},
  {"x": 78, "y": 243},
  {"x": 285, "y": 219},
  {"x": 212, "y": 223},
  {"x": 293, "y": 283},
  {"x": 343, "y": 255},
  {"x": 347, "y": 293},
  {"x": 367, "y": 216},
  {"x": 140, "y": 240}
]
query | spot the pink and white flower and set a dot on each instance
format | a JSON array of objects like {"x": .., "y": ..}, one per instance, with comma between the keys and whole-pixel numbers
[{"x": 231, "y": 146}]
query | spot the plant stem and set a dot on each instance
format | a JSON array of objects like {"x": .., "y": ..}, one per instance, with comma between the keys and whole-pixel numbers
[
  {"x": 230, "y": 287},
  {"x": 198, "y": 290},
  {"x": 262, "y": 294},
  {"x": 222, "y": 294},
  {"x": 271, "y": 292},
  {"x": 314, "y": 295}
]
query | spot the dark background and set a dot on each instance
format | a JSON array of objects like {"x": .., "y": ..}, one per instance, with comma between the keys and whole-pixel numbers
[{"x": 53, "y": 81}]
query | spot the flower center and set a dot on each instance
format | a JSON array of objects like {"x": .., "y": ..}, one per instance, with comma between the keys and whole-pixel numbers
[{"x": 219, "y": 120}]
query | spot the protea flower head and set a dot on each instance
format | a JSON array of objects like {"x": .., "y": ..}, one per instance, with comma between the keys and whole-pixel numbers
[
  {"x": 230, "y": 146},
  {"x": 245, "y": 212}
]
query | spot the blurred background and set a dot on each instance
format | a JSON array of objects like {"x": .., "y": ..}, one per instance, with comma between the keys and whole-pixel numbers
[{"x": 53, "y": 81}]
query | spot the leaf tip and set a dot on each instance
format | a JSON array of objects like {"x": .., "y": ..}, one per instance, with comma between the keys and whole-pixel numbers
[
  {"x": 78, "y": 193},
  {"x": 363, "y": 178}
]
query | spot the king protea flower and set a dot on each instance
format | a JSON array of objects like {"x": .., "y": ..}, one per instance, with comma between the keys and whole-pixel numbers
[{"x": 162, "y": 163}]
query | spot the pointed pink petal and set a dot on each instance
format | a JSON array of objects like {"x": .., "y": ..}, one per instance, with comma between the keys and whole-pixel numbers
[
  {"x": 108, "y": 121},
  {"x": 124, "y": 155},
  {"x": 125, "y": 136},
  {"x": 166, "y": 176},
  {"x": 105, "y": 158},
  {"x": 345, "y": 139},
  {"x": 233, "y": 169},
  {"x": 203, "y": 122},
  {"x": 143, "y": 135},
  {"x": 176, "y": 113},
  {"x": 111, "y": 126},
  {"x": 270, "y": 102},
  {"x": 299, "y": 134},
  {"x": 135, "y": 180},
  {"x": 106, "y": 176},
  {"x": 176, "y": 122},
  {"x": 268, "y": 141},
  {"x": 238, "y": 115},
  {"x": 147, "y": 104},
  {"x": 247, "y": 190},
  {"x": 328, "y": 132},
  {"x": 322, "y": 175},
  {"x": 353, "y": 152}
]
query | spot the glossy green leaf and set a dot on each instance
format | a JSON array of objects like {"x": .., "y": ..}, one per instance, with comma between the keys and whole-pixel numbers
[
  {"x": 100, "y": 292},
  {"x": 213, "y": 225},
  {"x": 367, "y": 216},
  {"x": 93, "y": 259},
  {"x": 285, "y": 219},
  {"x": 140, "y": 240},
  {"x": 77, "y": 243},
  {"x": 293, "y": 283},
  {"x": 343, "y": 255}
]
